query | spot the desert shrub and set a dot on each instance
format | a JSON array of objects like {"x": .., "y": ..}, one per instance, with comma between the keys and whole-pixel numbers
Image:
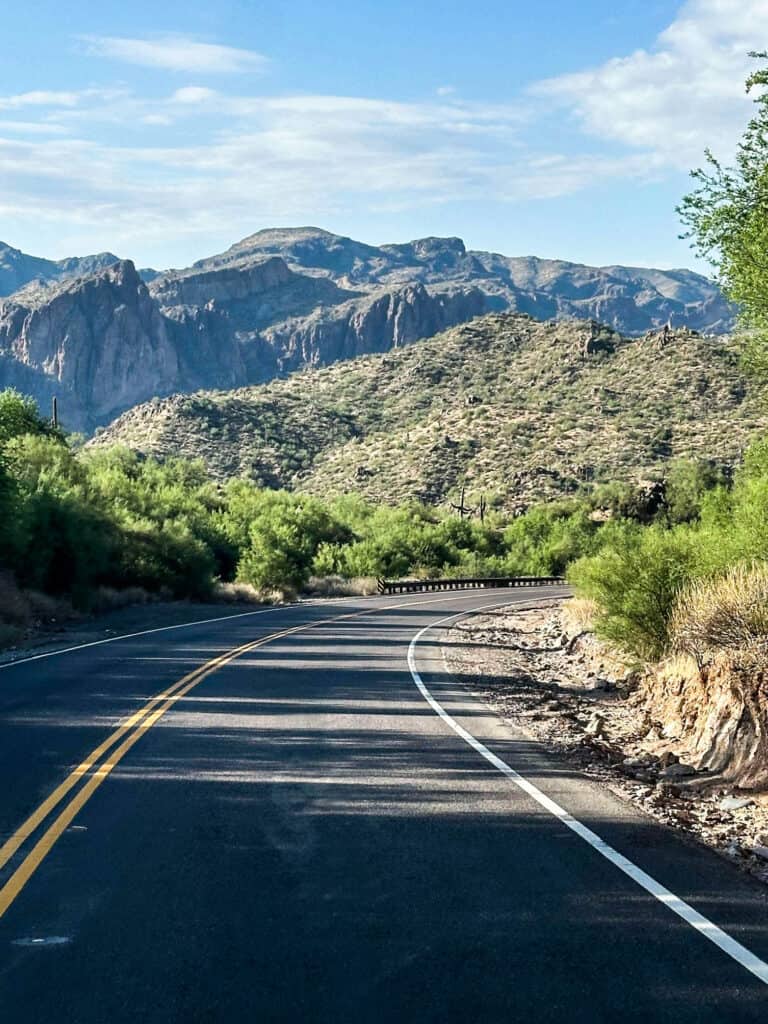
[
  {"x": 146, "y": 494},
  {"x": 278, "y": 535},
  {"x": 167, "y": 558},
  {"x": 65, "y": 543},
  {"x": 725, "y": 613},
  {"x": 688, "y": 481},
  {"x": 635, "y": 585},
  {"x": 10, "y": 516},
  {"x": 548, "y": 538}
]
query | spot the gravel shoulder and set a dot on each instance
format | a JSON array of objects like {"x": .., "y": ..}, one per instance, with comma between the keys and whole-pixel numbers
[{"x": 540, "y": 671}]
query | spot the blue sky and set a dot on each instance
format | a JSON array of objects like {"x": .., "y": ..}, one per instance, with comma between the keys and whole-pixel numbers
[{"x": 165, "y": 132}]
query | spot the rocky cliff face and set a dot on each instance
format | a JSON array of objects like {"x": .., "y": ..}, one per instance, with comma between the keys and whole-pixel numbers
[
  {"x": 94, "y": 333},
  {"x": 386, "y": 321},
  {"x": 100, "y": 344}
]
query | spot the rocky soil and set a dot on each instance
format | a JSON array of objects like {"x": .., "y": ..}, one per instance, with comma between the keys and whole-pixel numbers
[{"x": 540, "y": 671}]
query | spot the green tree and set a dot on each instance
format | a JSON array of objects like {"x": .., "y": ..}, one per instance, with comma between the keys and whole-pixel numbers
[
  {"x": 726, "y": 216},
  {"x": 19, "y": 416}
]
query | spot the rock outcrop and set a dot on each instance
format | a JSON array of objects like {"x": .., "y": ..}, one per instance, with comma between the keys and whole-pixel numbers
[
  {"x": 715, "y": 717},
  {"x": 100, "y": 344},
  {"x": 102, "y": 336}
]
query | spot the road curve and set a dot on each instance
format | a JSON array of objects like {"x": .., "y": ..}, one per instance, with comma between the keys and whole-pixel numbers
[{"x": 267, "y": 818}]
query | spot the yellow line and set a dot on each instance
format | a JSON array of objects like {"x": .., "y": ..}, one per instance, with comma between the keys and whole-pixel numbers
[
  {"x": 9, "y": 848},
  {"x": 32, "y": 861},
  {"x": 142, "y": 720}
]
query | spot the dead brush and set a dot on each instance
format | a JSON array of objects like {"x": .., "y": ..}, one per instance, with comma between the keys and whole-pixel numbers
[
  {"x": 579, "y": 614},
  {"x": 339, "y": 586},
  {"x": 728, "y": 613}
]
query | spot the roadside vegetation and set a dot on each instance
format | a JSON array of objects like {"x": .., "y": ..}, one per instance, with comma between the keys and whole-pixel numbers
[
  {"x": 699, "y": 587},
  {"x": 93, "y": 527}
]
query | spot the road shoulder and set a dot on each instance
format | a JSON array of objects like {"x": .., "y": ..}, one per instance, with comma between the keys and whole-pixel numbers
[{"x": 567, "y": 693}]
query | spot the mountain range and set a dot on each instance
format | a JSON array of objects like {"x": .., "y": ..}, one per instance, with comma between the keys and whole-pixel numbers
[{"x": 102, "y": 336}]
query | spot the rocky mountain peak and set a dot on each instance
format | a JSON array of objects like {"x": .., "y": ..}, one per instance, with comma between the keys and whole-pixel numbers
[{"x": 427, "y": 248}]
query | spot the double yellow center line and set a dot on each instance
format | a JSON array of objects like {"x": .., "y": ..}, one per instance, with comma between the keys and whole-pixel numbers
[{"x": 119, "y": 743}]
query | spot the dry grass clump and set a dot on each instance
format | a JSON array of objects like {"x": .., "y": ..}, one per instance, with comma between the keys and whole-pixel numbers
[
  {"x": 338, "y": 586},
  {"x": 236, "y": 593},
  {"x": 244, "y": 593},
  {"x": 729, "y": 613},
  {"x": 107, "y": 599},
  {"x": 579, "y": 614}
]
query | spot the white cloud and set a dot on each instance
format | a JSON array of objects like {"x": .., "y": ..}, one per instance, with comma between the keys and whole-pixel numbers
[
  {"x": 193, "y": 94},
  {"x": 262, "y": 160},
  {"x": 175, "y": 53},
  {"x": 40, "y": 98},
  {"x": 683, "y": 95},
  {"x": 32, "y": 128}
]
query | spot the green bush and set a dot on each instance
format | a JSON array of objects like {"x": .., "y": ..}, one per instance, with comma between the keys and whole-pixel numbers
[
  {"x": 635, "y": 584},
  {"x": 545, "y": 540}
]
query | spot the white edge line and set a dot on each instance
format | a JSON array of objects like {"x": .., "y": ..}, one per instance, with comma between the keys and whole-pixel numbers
[{"x": 684, "y": 910}]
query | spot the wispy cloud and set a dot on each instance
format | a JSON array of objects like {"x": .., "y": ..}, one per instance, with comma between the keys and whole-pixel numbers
[
  {"x": 175, "y": 53},
  {"x": 679, "y": 97},
  {"x": 269, "y": 159},
  {"x": 40, "y": 98},
  {"x": 277, "y": 159}
]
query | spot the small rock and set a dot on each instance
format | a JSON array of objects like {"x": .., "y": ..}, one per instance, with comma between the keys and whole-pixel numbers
[
  {"x": 598, "y": 683},
  {"x": 760, "y": 851},
  {"x": 676, "y": 771},
  {"x": 634, "y": 762},
  {"x": 595, "y": 726},
  {"x": 735, "y": 803}
]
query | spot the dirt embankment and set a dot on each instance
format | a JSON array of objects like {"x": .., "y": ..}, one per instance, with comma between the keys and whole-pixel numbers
[
  {"x": 689, "y": 747},
  {"x": 716, "y": 717}
]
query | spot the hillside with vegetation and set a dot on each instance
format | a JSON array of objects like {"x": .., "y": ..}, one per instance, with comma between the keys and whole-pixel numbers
[{"x": 518, "y": 409}]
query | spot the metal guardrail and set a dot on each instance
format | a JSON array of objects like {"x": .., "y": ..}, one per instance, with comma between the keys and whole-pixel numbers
[{"x": 473, "y": 583}]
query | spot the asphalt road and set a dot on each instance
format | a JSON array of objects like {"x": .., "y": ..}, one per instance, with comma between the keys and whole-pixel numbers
[{"x": 300, "y": 836}]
